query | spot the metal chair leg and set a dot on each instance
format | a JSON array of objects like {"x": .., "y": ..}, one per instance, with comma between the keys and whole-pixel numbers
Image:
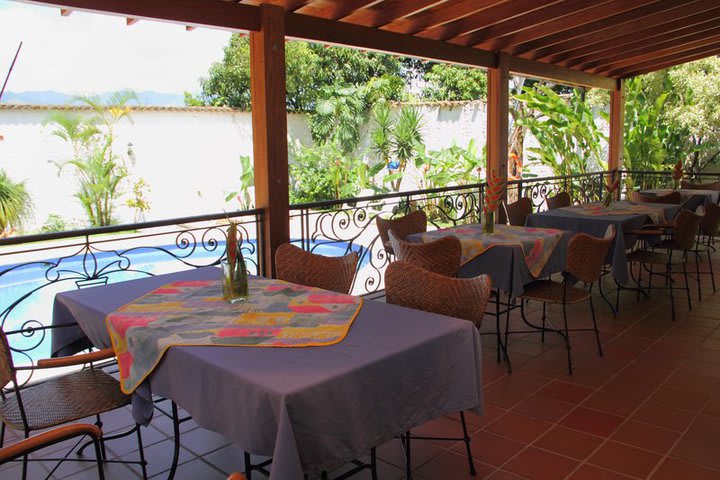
[
  {"x": 2, "y": 434},
  {"x": 373, "y": 464},
  {"x": 597, "y": 332},
  {"x": 544, "y": 320},
  {"x": 408, "y": 462},
  {"x": 567, "y": 339},
  {"x": 697, "y": 274},
  {"x": 466, "y": 439},
  {"x": 712, "y": 274},
  {"x": 248, "y": 469},
  {"x": 98, "y": 458},
  {"x": 672, "y": 295},
  {"x": 176, "y": 444},
  {"x": 687, "y": 286},
  {"x": 143, "y": 463}
]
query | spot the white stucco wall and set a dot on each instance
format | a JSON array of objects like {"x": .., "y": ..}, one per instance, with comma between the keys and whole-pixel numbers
[{"x": 189, "y": 157}]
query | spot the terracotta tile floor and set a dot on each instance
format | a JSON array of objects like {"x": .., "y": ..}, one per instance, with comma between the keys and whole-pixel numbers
[{"x": 650, "y": 408}]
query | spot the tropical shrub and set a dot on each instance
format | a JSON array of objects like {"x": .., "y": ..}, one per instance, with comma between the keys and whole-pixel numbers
[
  {"x": 15, "y": 204},
  {"x": 247, "y": 180},
  {"x": 100, "y": 172}
]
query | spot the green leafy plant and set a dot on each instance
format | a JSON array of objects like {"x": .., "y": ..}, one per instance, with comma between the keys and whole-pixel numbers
[
  {"x": 100, "y": 172},
  {"x": 15, "y": 204},
  {"x": 323, "y": 172},
  {"x": 247, "y": 180},
  {"x": 139, "y": 201}
]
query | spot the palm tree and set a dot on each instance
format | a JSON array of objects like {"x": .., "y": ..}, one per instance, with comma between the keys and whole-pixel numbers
[{"x": 15, "y": 204}]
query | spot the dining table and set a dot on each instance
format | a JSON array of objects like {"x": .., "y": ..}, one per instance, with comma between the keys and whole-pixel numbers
[
  {"x": 595, "y": 218},
  {"x": 692, "y": 198},
  {"x": 311, "y": 408},
  {"x": 513, "y": 256}
]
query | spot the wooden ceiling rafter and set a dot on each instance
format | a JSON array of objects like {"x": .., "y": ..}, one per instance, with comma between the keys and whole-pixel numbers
[
  {"x": 388, "y": 11},
  {"x": 612, "y": 27},
  {"x": 439, "y": 15},
  {"x": 650, "y": 55},
  {"x": 334, "y": 10},
  {"x": 681, "y": 27},
  {"x": 489, "y": 38},
  {"x": 597, "y": 12},
  {"x": 667, "y": 62},
  {"x": 486, "y": 18}
]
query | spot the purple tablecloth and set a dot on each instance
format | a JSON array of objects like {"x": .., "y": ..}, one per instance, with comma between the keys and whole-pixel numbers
[
  {"x": 596, "y": 226},
  {"x": 506, "y": 264},
  {"x": 692, "y": 199},
  {"x": 310, "y": 408}
]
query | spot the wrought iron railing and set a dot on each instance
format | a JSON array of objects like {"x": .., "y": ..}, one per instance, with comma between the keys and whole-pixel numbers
[{"x": 34, "y": 268}]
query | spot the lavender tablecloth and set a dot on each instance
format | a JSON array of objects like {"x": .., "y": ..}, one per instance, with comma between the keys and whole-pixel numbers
[
  {"x": 597, "y": 225},
  {"x": 506, "y": 264},
  {"x": 313, "y": 408}
]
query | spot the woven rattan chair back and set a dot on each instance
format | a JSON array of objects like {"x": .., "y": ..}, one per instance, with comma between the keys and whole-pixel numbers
[
  {"x": 710, "y": 222},
  {"x": 700, "y": 186},
  {"x": 518, "y": 212},
  {"x": 414, "y": 287},
  {"x": 7, "y": 368},
  {"x": 441, "y": 256},
  {"x": 685, "y": 230},
  {"x": 586, "y": 255},
  {"x": 413, "y": 222},
  {"x": 560, "y": 200},
  {"x": 293, "y": 264}
]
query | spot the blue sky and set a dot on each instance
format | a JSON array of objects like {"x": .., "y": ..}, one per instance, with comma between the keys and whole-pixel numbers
[{"x": 89, "y": 54}]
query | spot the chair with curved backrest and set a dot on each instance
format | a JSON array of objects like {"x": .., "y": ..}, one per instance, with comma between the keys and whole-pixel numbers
[
  {"x": 60, "y": 399},
  {"x": 413, "y": 222},
  {"x": 700, "y": 186},
  {"x": 59, "y": 434},
  {"x": 560, "y": 200},
  {"x": 410, "y": 286},
  {"x": 517, "y": 212},
  {"x": 295, "y": 265},
  {"x": 709, "y": 226},
  {"x": 585, "y": 260},
  {"x": 683, "y": 237},
  {"x": 441, "y": 256}
]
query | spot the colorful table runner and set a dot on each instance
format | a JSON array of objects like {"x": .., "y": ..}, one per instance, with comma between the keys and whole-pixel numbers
[
  {"x": 537, "y": 243},
  {"x": 277, "y": 314},
  {"x": 656, "y": 213}
]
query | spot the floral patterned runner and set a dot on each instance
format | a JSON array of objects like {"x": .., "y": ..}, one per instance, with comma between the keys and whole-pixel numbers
[
  {"x": 656, "y": 213},
  {"x": 277, "y": 314},
  {"x": 537, "y": 243}
]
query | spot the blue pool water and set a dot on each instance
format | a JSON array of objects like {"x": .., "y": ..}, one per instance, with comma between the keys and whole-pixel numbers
[{"x": 32, "y": 281}]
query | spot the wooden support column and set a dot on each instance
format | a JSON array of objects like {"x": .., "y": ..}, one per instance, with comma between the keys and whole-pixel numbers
[
  {"x": 269, "y": 123},
  {"x": 617, "y": 126},
  {"x": 498, "y": 98}
]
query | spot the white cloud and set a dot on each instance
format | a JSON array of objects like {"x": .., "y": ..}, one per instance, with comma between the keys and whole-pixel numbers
[{"x": 88, "y": 53}]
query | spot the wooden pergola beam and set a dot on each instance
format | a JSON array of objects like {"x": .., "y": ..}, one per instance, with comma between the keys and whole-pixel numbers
[
  {"x": 386, "y": 13},
  {"x": 334, "y": 10},
  {"x": 558, "y": 74},
  {"x": 208, "y": 13},
  {"x": 643, "y": 17},
  {"x": 269, "y": 128},
  {"x": 487, "y": 37},
  {"x": 561, "y": 23},
  {"x": 439, "y": 15},
  {"x": 666, "y": 31},
  {"x": 483, "y": 19},
  {"x": 669, "y": 61},
  {"x": 662, "y": 48},
  {"x": 328, "y": 31}
]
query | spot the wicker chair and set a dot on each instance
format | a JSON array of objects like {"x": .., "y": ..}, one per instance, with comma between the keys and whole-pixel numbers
[
  {"x": 413, "y": 222},
  {"x": 560, "y": 200},
  {"x": 682, "y": 240},
  {"x": 441, "y": 256},
  {"x": 413, "y": 287},
  {"x": 709, "y": 226},
  {"x": 700, "y": 186},
  {"x": 46, "y": 439},
  {"x": 295, "y": 265},
  {"x": 585, "y": 260},
  {"x": 61, "y": 399},
  {"x": 517, "y": 212}
]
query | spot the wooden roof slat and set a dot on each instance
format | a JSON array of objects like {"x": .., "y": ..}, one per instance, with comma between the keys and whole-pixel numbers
[
  {"x": 483, "y": 19},
  {"x": 439, "y": 15},
  {"x": 389, "y": 11},
  {"x": 597, "y": 12},
  {"x": 669, "y": 61},
  {"x": 647, "y": 44},
  {"x": 538, "y": 16},
  {"x": 681, "y": 27},
  {"x": 650, "y": 53},
  {"x": 334, "y": 10},
  {"x": 608, "y": 28}
]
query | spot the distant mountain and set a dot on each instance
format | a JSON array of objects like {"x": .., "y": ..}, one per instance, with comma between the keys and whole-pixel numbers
[{"x": 49, "y": 97}]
